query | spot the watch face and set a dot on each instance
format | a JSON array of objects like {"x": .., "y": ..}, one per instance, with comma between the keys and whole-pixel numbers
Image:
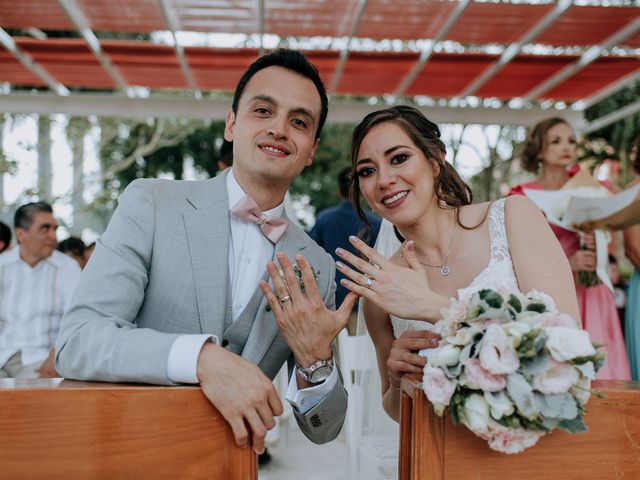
[{"x": 321, "y": 373}]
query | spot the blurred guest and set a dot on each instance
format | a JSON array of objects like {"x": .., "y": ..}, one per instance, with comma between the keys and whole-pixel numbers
[
  {"x": 5, "y": 237},
  {"x": 75, "y": 248},
  {"x": 333, "y": 228},
  {"x": 632, "y": 252},
  {"x": 549, "y": 151},
  {"x": 36, "y": 283}
]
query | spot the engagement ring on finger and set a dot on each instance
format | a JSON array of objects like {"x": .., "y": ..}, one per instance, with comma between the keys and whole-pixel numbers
[
  {"x": 284, "y": 299},
  {"x": 369, "y": 281}
]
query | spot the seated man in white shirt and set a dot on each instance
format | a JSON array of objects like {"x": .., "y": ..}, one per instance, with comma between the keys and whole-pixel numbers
[
  {"x": 174, "y": 290},
  {"x": 36, "y": 282}
]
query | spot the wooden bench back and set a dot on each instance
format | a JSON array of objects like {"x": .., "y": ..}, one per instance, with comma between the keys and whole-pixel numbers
[{"x": 53, "y": 429}]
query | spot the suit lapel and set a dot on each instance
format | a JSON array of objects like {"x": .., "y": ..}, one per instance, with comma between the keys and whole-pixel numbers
[
  {"x": 207, "y": 231},
  {"x": 265, "y": 328}
]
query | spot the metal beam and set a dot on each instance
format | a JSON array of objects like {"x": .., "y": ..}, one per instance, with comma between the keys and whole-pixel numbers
[
  {"x": 512, "y": 50},
  {"x": 425, "y": 55},
  {"x": 610, "y": 118},
  {"x": 260, "y": 11},
  {"x": 587, "y": 57},
  {"x": 72, "y": 9},
  {"x": 607, "y": 91},
  {"x": 344, "y": 53},
  {"x": 30, "y": 64},
  {"x": 172, "y": 24},
  {"x": 339, "y": 111}
]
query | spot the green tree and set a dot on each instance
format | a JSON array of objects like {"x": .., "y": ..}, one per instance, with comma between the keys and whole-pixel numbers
[{"x": 621, "y": 134}]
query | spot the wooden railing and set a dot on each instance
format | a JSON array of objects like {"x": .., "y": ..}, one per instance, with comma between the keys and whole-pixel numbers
[
  {"x": 59, "y": 429},
  {"x": 431, "y": 448}
]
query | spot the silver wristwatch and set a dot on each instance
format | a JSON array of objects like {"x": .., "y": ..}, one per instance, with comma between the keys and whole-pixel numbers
[{"x": 317, "y": 372}]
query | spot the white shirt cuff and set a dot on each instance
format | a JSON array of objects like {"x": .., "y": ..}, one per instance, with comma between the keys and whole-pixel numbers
[
  {"x": 182, "y": 365},
  {"x": 307, "y": 398}
]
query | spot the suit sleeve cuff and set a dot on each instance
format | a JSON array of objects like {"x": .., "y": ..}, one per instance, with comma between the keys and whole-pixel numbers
[
  {"x": 183, "y": 357},
  {"x": 307, "y": 398}
]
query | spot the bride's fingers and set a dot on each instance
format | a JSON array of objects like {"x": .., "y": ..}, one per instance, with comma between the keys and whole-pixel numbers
[
  {"x": 369, "y": 252},
  {"x": 357, "y": 277},
  {"x": 358, "y": 289},
  {"x": 357, "y": 262},
  {"x": 409, "y": 253}
]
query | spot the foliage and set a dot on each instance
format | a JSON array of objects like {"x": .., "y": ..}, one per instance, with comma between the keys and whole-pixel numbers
[
  {"x": 621, "y": 134},
  {"x": 320, "y": 180}
]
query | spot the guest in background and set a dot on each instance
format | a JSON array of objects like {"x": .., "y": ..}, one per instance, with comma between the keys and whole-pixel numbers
[
  {"x": 36, "y": 283},
  {"x": 75, "y": 248},
  {"x": 5, "y": 237},
  {"x": 632, "y": 252},
  {"x": 333, "y": 228},
  {"x": 549, "y": 151}
]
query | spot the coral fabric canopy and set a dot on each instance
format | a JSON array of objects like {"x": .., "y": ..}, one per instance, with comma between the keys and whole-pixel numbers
[{"x": 444, "y": 51}]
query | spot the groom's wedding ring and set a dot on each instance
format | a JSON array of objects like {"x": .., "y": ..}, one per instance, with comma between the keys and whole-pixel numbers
[
  {"x": 284, "y": 299},
  {"x": 369, "y": 280}
]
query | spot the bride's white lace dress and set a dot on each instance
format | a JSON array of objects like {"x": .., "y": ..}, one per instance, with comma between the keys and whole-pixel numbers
[{"x": 380, "y": 435}]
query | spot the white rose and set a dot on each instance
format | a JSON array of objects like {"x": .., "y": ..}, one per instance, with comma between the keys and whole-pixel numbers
[
  {"x": 497, "y": 353},
  {"x": 499, "y": 404},
  {"x": 582, "y": 391},
  {"x": 541, "y": 297},
  {"x": 565, "y": 344},
  {"x": 515, "y": 330},
  {"x": 558, "y": 378},
  {"x": 446, "y": 355},
  {"x": 463, "y": 336},
  {"x": 476, "y": 413}
]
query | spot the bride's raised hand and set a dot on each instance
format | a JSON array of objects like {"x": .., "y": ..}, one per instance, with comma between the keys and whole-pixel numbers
[{"x": 400, "y": 291}]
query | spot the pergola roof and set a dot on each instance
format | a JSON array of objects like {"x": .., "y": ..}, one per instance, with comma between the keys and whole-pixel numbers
[{"x": 447, "y": 50}]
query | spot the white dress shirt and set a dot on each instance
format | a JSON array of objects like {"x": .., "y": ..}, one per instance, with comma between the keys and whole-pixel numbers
[
  {"x": 249, "y": 252},
  {"x": 32, "y": 302}
]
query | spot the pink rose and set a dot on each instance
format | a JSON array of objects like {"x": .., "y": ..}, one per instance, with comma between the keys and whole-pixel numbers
[
  {"x": 438, "y": 388},
  {"x": 486, "y": 381},
  {"x": 559, "y": 378},
  {"x": 497, "y": 353},
  {"x": 513, "y": 440}
]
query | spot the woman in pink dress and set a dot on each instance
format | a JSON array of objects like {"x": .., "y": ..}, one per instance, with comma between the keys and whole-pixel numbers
[{"x": 549, "y": 151}]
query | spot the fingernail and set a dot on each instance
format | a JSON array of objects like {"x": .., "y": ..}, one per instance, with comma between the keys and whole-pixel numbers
[
  {"x": 352, "y": 238},
  {"x": 343, "y": 282},
  {"x": 339, "y": 251},
  {"x": 411, "y": 245},
  {"x": 339, "y": 264},
  {"x": 298, "y": 258}
]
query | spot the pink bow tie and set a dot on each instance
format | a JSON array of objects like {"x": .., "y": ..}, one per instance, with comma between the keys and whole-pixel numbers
[{"x": 272, "y": 227}]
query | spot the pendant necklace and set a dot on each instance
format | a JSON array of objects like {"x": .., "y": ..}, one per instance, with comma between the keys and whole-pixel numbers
[{"x": 444, "y": 268}]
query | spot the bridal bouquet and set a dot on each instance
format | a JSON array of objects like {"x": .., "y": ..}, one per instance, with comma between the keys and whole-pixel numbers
[{"x": 511, "y": 368}]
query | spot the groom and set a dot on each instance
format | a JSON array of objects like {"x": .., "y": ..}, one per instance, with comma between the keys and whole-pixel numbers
[{"x": 171, "y": 293}]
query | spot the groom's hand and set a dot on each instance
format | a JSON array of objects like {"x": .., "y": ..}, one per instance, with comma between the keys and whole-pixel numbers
[
  {"x": 241, "y": 392},
  {"x": 305, "y": 322}
]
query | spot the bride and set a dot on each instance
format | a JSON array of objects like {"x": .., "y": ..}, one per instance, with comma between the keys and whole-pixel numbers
[{"x": 450, "y": 247}]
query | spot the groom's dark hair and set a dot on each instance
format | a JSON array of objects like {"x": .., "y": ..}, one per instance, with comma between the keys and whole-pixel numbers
[{"x": 291, "y": 60}]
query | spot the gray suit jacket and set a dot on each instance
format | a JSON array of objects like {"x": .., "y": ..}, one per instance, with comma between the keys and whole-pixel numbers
[{"x": 161, "y": 270}]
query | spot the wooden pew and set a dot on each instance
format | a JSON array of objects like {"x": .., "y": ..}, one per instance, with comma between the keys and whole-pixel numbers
[
  {"x": 59, "y": 429},
  {"x": 431, "y": 448}
]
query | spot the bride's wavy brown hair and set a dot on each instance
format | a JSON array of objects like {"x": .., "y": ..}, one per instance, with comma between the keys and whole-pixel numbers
[{"x": 450, "y": 189}]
